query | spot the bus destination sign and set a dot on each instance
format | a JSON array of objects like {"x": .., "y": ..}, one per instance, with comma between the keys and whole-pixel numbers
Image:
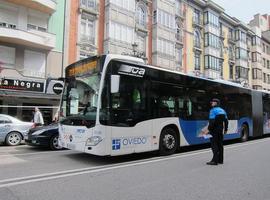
[{"x": 81, "y": 69}]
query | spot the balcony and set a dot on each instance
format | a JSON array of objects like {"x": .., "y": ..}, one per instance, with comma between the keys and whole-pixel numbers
[
  {"x": 47, "y": 6},
  {"x": 180, "y": 14},
  {"x": 31, "y": 38},
  {"x": 197, "y": 46},
  {"x": 222, "y": 35},
  {"x": 86, "y": 39},
  {"x": 89, "y": 6},
  {"x": 179, "y": 38},
  {"x": 231, "y": 39},
  {"x": 197, "y": 22}
]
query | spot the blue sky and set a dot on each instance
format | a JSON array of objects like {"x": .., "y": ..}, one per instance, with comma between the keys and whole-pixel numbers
[{"x": 244, "y": 9}]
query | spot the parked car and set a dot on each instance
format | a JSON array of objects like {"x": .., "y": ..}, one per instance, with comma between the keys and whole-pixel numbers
[
  {"x": 12, "y": 130},
  {"x": 44, "y": 136}
]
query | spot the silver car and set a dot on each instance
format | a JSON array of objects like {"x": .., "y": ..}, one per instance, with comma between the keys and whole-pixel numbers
[{"x": 12, "y": 130}]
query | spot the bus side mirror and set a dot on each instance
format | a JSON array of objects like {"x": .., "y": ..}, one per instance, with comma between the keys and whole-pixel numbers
[{"x": 115, "y": 82}]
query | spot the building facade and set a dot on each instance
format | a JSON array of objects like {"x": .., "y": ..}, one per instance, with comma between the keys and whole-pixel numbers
[
  {"x": 31, "y": 43},
  {"x": 260, "y": 25},
  {"x": 196, "y": 37}
]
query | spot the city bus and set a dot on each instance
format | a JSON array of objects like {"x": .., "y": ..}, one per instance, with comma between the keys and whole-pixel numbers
[{"x": 115, "y": 105}]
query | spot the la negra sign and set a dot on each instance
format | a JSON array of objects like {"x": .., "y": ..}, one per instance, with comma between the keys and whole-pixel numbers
[{"x": 15, "y": 84}]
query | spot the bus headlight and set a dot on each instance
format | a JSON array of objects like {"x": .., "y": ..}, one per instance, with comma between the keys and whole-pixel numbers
[{"x": 93, "y": 141}]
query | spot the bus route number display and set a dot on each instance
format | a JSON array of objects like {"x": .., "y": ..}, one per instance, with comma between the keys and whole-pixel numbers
[{"x": 84, "y": 68}]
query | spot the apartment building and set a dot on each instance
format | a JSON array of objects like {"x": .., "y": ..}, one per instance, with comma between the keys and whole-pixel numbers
[
  {"x": 192, "y": 36},
  {"x": 31, "y": 40},
  {"x": 260, "y": 25}
]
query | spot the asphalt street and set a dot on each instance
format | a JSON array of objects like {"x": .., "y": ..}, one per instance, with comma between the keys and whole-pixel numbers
[{"x": 28, "y": 173}]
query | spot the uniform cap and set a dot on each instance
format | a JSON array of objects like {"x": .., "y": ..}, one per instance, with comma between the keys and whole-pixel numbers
[{"x": 215, "y": 100}]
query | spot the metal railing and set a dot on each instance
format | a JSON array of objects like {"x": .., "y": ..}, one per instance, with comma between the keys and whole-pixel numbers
[
  {"x": 179, "y": 37},
  {"x": 197, "y": 21},
  {"x": 8, "y": 25},
  {"x": 87, "y": 39},
  {"x": 88, "y": 4}
]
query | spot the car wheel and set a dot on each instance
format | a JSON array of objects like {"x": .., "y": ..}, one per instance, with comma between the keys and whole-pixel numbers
[
  {"x": 54, "y": 143},
  {"x": 168, "y": 142},
  {"x": 13, "y": 139}
]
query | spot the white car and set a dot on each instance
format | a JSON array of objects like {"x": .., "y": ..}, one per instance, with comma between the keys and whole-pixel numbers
[{"x": 12, "y": 130}]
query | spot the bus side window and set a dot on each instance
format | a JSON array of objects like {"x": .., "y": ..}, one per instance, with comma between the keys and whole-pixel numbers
[{"x": 185, "y": 108}]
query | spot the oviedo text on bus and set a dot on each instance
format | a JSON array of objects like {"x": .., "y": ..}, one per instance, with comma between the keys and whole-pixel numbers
[{"x": 115, "y": 105}]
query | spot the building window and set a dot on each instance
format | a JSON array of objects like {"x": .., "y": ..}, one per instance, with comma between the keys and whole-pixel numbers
[
  {"x": 141, "y": 16},
  {"x": 197, "y": 16},
  {"x": 256, "y": 57},
  {"x": 231, "y": 72},
  {"x": 212, "y": 62},
  {"x": 264, "y": 62},
  {"x": 7, "y": 56},
  {"x": 241, "y": 72},
  {"x": 211, "y": 40},
  {"x": 231, "y": 54},
  {"x": 166, "y": 19},
  {"x": 264, "y": 49},
  {"x": 34, "y": 63},
  {"x": 241, "y": 54},
  {"x": 256, "y": 41},
  {"x": 89, "y": 4},
  {"x": 197, "y": 40},
  {"x": 197, "y": 61},
  {"x": 87, "y": 30},
  {"x": 268, "y": 64},
  {"x": 221, "y": 67},
  {"x": 178, "y": 9},
  {"x": 211, "y": 19},
  {"x": 257, "y": 87},
  {"x": 178, "y": 56},
  {"x": 125, "y": 4},
  {"x": 264, "y": 77},
  {"x": 257, "y": 73},
  {"x": 120, "y": 32},
  {"x": 165, "y": 47}
]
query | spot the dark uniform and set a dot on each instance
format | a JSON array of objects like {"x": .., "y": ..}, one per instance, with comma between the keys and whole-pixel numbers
[{"x": 218, "y": 122}]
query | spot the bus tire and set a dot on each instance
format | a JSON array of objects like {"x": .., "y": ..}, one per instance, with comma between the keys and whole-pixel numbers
[
  {"x": 244, "y": 133},
  {"x": 168, "y": 142}
]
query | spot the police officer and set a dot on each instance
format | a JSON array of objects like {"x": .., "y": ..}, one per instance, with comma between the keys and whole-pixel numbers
[{"x": 218, "y": 124}]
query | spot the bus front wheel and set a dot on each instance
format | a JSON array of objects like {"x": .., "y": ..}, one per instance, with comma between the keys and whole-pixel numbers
[
  {"x": 168, "y": 142},
  {"x": 244, "y": 133}
]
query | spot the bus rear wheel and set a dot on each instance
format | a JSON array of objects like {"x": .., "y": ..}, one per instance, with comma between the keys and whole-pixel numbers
[
  {"x": 244, "y": 133},
  {"x": 168, "y": 142}
]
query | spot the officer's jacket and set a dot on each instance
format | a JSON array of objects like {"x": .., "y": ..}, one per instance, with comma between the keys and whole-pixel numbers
[{"x": 217, "y": 120}]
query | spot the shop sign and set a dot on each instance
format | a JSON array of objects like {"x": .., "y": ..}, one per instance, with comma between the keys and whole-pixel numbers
[{"x": 23, "y": 85}]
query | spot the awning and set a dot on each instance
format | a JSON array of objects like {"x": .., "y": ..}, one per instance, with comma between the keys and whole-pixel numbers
[{"x": 8, "y": 93}]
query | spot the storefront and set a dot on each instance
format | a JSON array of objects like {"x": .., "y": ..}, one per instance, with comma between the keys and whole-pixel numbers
[{"x": 19, "y": 97}]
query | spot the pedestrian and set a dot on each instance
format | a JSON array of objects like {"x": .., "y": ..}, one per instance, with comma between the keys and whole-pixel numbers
[
  {"x": 38, "y": 118},
  {"x": 218, "y": 125}
]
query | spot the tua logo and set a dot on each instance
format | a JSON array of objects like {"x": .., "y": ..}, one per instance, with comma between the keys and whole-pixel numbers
[
  {"x": 132, "y": 70},
  {"x": 137, "y": 71}
]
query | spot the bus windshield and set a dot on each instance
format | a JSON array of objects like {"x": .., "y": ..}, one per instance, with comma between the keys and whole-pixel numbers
[
  {"x": 81, "y": 94},
  {"x": 80, "y": 97}
]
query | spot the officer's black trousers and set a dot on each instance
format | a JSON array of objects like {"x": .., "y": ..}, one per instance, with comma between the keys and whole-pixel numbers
[{"x": 217, "y": 146}]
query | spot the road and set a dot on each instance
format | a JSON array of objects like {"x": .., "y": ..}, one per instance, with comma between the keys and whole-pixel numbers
[{"x": 28, "y": 173}]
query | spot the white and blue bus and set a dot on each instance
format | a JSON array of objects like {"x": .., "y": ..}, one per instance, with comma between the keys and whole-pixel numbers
[{"x": 115, "y": 105}]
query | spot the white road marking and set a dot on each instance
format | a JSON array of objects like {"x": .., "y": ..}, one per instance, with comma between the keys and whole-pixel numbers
[
  {"x": 90, "y": 170},
  {"x": 37, "y": 153}
]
